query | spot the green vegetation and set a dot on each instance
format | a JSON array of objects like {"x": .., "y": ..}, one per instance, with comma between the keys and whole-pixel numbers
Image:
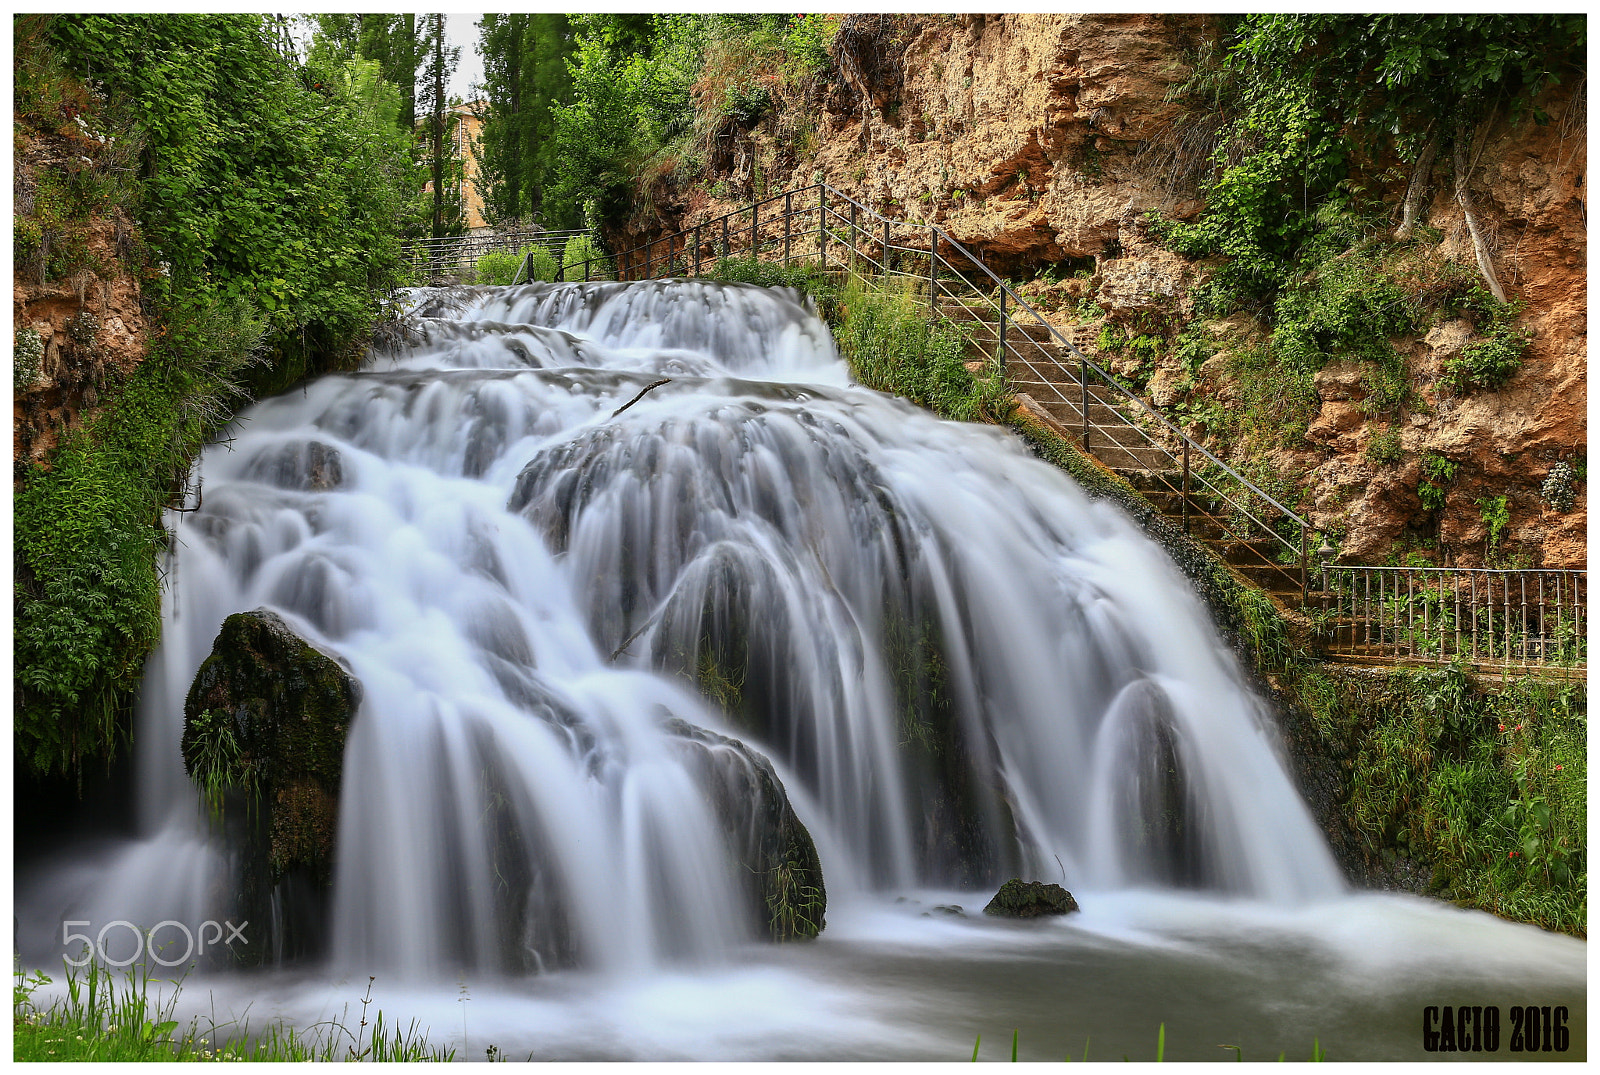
[
  {"x": 1317, "y": 1053},
  {"x": 795, "y": 905},
  {"x": 269, "y": 198},
  {"x": 1291, "y": 134},
  {"x": 1438, "y": 472},
  {"x": 88, "y": 596},
  {"x": 409, "y": 56},
  {"x": 1496, "y": 516},
  {"x": 1487, "y": 786},
  {"x": 103, "y": 1019},
  {"x": 500, "y": 266},
  {"x": 656, "y": 98},
  {"x": 1384, "y": 447}
]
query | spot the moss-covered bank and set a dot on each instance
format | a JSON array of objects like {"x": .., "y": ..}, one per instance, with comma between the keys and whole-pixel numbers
[{"x": 1430, "y": 781}]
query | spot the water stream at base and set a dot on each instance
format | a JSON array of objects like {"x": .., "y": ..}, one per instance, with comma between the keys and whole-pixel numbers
[{"x": 961, "y": 667}]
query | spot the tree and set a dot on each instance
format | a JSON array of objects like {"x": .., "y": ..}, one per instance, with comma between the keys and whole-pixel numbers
[
  {"x": 391, "y": 40},
  {"x": 1403, "y": 83},
  {"x": 525, "y": 78},
  {"x": 440, "y": 64}
]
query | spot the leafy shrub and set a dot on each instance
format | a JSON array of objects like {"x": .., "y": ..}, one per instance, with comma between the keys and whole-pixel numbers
[
  {"x": 893, "y": 347},
  {"x": 1438, "y": 472},
  {"x": 497, "y": 267},
  {"x": 541, "y": 265},
  {"x": 275, "y": 196},
  {"x": 1486, "y": 365},
  {"x": 1496, "y": 516},
  {"x": 1384, "y": 448},
  {"x": 806, "y": 39},
  {"x": 582, "y": 248}
]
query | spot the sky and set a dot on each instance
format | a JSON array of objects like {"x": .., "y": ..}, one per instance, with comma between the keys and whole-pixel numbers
[{"x": 462, "y": 31}]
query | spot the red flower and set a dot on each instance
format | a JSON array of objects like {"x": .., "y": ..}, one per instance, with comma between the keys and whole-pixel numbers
[
  {"x": 1558, "y": 768},
  {"x": 1502, "y": 727}
]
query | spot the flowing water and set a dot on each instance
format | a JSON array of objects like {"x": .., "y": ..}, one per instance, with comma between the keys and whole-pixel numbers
[{"x": 556, "y": 530}]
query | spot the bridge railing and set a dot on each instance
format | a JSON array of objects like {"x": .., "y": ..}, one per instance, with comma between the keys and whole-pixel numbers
[{"x": 820, "y": 224}]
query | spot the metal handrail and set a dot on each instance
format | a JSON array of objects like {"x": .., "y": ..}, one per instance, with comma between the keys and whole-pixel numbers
[{"x": 1185, "y": 450}]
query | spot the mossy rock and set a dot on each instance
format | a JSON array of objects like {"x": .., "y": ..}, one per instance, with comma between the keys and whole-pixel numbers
[
  {"x": 264, "y": 732},
  {"x": 1030, "y": 899},
  {"x": 772, "y": 848}
]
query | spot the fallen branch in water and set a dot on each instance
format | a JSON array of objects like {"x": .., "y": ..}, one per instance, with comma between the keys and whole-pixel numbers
[{"x": 642, "y": 391}]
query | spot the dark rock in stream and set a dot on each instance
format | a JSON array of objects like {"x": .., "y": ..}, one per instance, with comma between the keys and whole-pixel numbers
[
  {"x": 784, "y": 890},
  {"x": 310, "y": 466},
  {"x": 1030, "y": 899},
  {"x": 264, "y": 732}
]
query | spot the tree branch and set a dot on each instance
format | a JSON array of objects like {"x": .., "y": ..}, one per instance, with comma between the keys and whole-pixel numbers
[{"x": 1480, "y": 247}]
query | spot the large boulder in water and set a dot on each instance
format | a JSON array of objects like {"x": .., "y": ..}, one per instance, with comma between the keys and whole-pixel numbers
[
  {"x": 1030, "y": 899},
  {"x": 773, "y": 850},
  {"x": 264, "y": 731}
]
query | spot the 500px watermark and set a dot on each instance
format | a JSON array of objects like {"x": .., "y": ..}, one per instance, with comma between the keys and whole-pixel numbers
[{"x": 194, "y": 941}]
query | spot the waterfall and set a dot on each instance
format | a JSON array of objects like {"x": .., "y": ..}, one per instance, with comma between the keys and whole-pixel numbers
[{"x": 960, "y": 666}]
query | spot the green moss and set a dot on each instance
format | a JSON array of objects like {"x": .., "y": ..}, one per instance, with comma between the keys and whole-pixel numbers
[{"x": 723, "y": 686}]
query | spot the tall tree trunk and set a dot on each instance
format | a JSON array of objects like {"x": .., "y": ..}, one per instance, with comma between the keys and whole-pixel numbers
[
  {"x": 406, "y": 69},
  {"x": 1418, "y": 187},
  {"x": 438, "y": 124},
  {"x": 1480, "y": 246},
  {"x": 514, "y": 166}
]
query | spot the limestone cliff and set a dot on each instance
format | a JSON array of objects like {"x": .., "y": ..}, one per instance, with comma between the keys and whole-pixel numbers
[
  {"x": 78, "y": 322},
  {"x": 1046, "y": 142}
]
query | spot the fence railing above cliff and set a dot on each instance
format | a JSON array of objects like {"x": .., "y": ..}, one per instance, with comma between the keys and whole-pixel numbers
[{"x": 1266, "y": 541}]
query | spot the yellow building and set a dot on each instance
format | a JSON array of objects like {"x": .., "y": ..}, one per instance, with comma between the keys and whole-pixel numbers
[
  {"x": 468, "y": 138},
  {"x": 465, "y": 148}
]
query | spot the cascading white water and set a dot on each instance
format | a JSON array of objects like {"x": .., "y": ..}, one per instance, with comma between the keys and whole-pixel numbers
[{"x": 961, "y": 666}]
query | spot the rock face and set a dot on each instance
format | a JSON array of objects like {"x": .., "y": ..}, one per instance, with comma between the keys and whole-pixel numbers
[
  {"x": 1046, "y": 141},
  {"x": 74, "y": 336},
  {"x": 1030, "y": 899},
  {"x": 784, "y": 891},
  {"x": 264, "y": 731}
]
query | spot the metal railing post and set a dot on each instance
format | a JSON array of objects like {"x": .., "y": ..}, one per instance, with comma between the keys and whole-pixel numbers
[
  {"x": 933, "y": 267},
  {"x": 885, "y": 250},
  {"x": 1000, "y": 329},
  {"x": 853, "y": 229},
  {"x": 822, "y": 225},
  {"x": 587, "y": 268},
  {"x": 788, "y": 210},
  {"x": 697, "y": 228},
  {"x": 1305, "y": 562},
  {"x": 755, "y": 231},
  {"x": 648, "y": 273},
  {"x": 1186, "y": 487},
  {"x": 1083, "y": 398},
  {"x": 726, "y": 253}
]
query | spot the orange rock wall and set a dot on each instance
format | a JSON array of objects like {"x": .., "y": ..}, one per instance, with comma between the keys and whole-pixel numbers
[{"x": 1037, "y": 139}]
